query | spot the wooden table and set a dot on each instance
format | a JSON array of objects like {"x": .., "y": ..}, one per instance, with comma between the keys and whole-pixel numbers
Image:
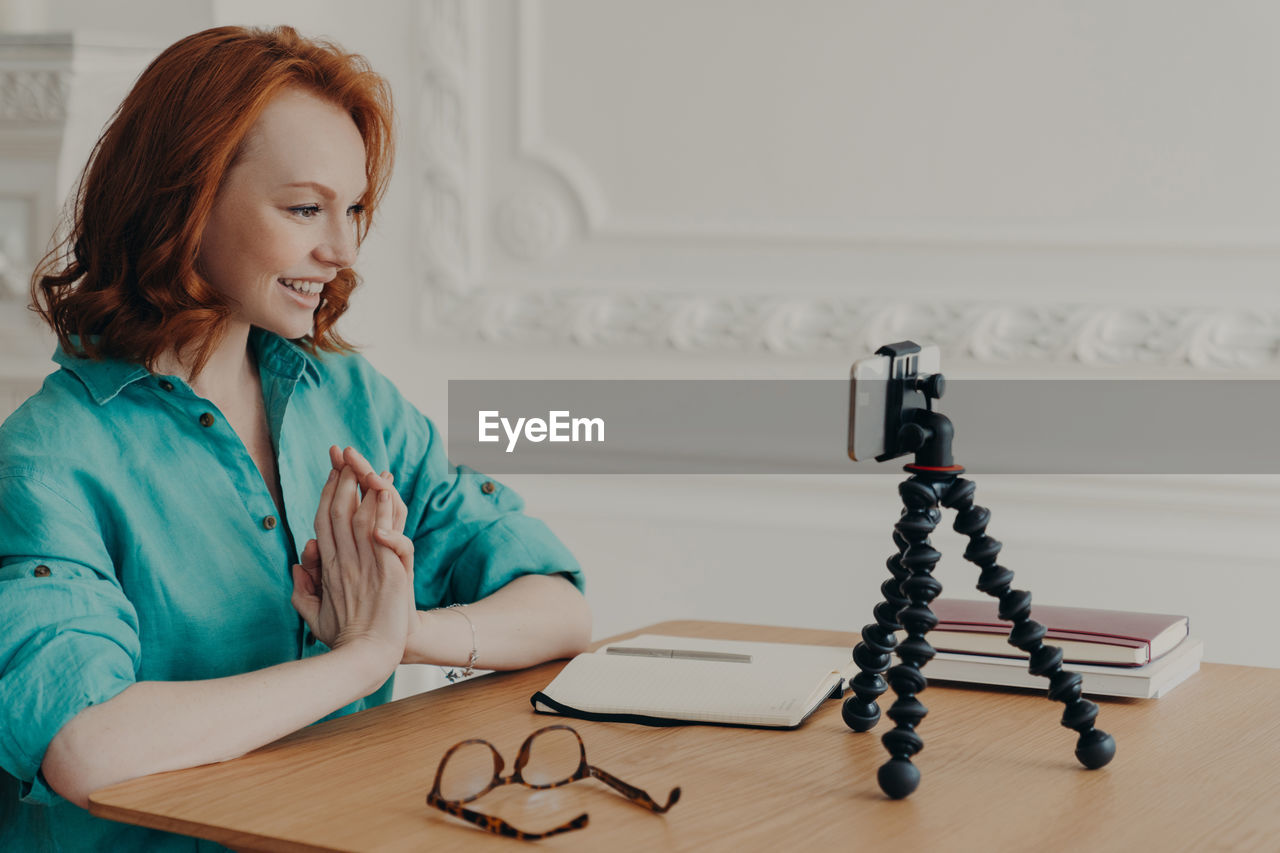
[{"x": 1195, "y": 770}]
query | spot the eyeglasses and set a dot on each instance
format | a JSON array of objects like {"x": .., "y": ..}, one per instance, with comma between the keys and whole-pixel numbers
[{"x": 549, "y": 758}]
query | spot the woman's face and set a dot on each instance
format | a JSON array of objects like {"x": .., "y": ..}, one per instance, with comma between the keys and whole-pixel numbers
[{"x": 283, "y": 222}]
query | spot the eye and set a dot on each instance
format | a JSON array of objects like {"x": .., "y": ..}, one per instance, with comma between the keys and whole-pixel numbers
[
  {"x": 355, "y": 210},
  {"x": 306, "y": 211}
]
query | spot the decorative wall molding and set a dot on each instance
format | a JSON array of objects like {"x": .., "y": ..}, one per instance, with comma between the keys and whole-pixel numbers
[
  {"x": 982, "y": 332},
  {"x": 56, "y": 91},
  {"x": 533, "y": 225},
  {"x": 532, "y": 144},
  {"x": 605, "y": 214},
  {"x": 12, "y": 278},
  {"x": 33, "y": 95},
  {"x": 17, "y": 212},
  {"x": 545, "y": 266},
  {"x": 443, "y": 144}
]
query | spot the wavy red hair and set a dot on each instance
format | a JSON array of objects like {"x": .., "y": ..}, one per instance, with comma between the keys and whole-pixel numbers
[{"x": 124, "y": 283}]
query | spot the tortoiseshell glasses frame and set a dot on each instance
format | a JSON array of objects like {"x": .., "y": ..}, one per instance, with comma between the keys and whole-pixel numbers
[{"x": 490, "y": 823}]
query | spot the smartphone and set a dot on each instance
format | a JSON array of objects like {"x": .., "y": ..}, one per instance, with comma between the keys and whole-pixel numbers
[{"x": 869, "y": 381}]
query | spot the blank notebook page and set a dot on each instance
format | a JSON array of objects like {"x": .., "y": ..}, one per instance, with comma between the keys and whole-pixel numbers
[{"x": 780, "y": 685}]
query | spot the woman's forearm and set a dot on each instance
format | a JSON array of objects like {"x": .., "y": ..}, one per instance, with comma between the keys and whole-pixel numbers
[
  {"x": 154, "y": 726},
  {"x": 534, "y": 618}
]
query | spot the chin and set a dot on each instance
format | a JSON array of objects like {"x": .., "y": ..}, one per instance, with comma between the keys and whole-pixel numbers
[{"x": 289, "y": 331}]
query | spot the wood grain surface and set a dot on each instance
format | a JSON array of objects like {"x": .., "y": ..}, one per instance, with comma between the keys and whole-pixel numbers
[{"x": 1195, "y": 770}]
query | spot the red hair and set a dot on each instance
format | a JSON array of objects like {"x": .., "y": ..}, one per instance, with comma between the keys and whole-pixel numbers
[{"x": 124, "y": 283}]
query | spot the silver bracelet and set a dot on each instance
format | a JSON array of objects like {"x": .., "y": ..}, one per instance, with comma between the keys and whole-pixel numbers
[{"x": 453, "y": 674}]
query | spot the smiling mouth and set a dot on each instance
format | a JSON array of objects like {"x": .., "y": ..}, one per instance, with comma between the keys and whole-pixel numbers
[{"x": 306, "y": 288}]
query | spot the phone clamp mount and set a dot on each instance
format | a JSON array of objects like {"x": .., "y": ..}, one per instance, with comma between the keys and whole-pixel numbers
[{"x": 911, "y": 425}]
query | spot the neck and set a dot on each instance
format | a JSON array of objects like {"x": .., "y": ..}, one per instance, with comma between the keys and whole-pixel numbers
[{"x": 226, "y": 370}]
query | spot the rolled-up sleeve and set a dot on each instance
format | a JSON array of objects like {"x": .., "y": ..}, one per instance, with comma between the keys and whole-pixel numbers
[
  {"x": 471, "y": 536},
  {"x": 68, "y": 634},
  {"x": 490, "y": 541}
]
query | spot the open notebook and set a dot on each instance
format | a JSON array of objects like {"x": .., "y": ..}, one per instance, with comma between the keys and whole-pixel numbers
[{"x": 781, "y": 686}]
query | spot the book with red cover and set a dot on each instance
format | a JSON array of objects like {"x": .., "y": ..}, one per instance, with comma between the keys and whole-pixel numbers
[{"x": 1085, "y": 635}]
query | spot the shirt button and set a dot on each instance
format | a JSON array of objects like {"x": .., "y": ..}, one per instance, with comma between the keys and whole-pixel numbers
[
  {"x": 166, "y": 384},
  {"x": 206, "y": 420},
  {"x": 269, "y": 523},
  {"x": 488, "y": 488},
  {"x": 41, "y": 571}
]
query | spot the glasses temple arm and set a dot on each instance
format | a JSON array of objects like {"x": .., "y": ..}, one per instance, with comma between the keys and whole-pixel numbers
[
  {"x": 631, "y": 792},
  {"x": 492, "y": 823}
]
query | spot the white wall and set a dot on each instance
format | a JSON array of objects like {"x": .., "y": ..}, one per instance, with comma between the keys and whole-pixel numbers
[
  {"x": 676, "y": 190},
  {"x": 673, "y": 190},
  {"x": 162, "y": 19}
]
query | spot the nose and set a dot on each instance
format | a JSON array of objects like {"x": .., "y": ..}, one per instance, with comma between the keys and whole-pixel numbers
[{"x": 339, "y": 248}]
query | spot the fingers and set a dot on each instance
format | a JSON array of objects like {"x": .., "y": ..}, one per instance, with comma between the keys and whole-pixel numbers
[
  {"x": 324, "y": 527},
  {"x": 356, "y": 460},
  {"x": 350, "y": 457},
  {"x": 306, "y": 598},
  {"x": 400, "y": 545},
  {"x": 310, "y": 557},
  {"x": 312, "y": 566},
  {"x": 369, "y": 479},
  {"x": 400, "y": 512},
  {"x": 362, "y": 525},
  {"x": 345, "y": 521},
  {"x": 349, "y": 581},
  {"x": 304, "y": 583},
  {"x": 342, "y": 510},
  {"x": 383, "y": 516},
  {"x": 343, "y": 580},
  {"x": 385, "y": 531}
]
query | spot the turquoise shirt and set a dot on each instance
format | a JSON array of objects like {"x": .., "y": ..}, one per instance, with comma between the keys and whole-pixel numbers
[{"x": 138, "y": 541}]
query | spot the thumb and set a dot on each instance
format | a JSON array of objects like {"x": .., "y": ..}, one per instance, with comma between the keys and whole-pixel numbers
[
  {"x": 310, "y": 558},
  {"x": 305, "y": 598}
]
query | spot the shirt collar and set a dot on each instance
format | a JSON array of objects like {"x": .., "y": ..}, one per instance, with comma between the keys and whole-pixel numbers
[
  {"x": 105, "y": 377},
  {"x": 283, "y": 357}
]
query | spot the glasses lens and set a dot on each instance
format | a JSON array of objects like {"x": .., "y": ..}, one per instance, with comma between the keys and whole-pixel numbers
[
  {"x": 554, "y": 756},
  {"x": 468, "y": 772}
]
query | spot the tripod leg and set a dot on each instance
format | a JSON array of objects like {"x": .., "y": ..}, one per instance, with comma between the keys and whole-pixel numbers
[
  {"x": 898, "y": 777},
  {"x": 874, "y": 654},
  {"x": 1094, "y": 748}
]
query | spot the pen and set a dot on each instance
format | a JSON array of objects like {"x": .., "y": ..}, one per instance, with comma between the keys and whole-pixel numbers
[{"x": 682, "y": 654}]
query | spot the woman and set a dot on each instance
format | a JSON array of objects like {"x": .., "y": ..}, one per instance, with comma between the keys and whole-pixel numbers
[{"x": 154, "y": 612}]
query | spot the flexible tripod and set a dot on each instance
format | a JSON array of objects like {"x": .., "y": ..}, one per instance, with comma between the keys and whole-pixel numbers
[{"x": 935, "y": 480}]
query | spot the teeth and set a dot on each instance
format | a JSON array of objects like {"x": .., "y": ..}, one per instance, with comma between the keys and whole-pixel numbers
[{"x": 310, "y": 288}]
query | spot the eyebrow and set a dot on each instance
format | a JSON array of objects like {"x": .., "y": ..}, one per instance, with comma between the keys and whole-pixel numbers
[{"x": 322, "y": 189}]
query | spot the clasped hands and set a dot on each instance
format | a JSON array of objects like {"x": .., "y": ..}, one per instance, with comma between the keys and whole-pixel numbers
[{"x": 354, "y": 583}]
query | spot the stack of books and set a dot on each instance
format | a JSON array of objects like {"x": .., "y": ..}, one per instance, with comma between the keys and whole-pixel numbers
[{"x": 1119, "y": 653}]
